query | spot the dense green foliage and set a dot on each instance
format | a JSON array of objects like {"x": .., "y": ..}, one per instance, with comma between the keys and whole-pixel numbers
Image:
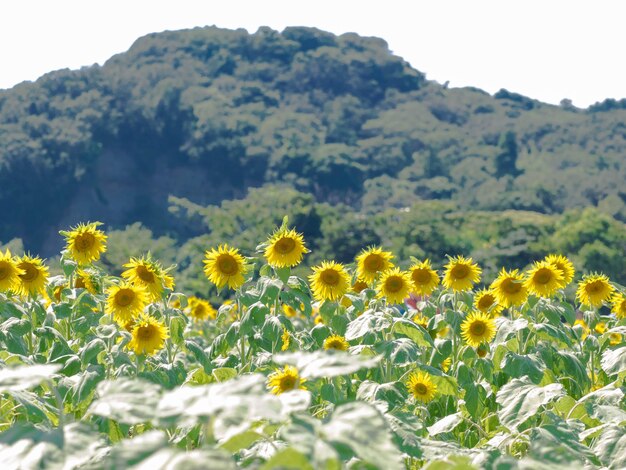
[
  {"x": 281, "y": 377},
  {"x": 199, "y": 117}
]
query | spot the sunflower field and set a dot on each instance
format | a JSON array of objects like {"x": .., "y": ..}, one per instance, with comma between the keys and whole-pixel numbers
[{"x": 383, "y": 363}]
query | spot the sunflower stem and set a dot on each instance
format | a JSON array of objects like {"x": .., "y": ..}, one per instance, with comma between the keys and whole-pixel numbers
[{"x": 592, "y": 370}]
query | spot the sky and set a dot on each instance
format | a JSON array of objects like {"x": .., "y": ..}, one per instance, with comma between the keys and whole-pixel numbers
[{"x": 546, "y": 49}]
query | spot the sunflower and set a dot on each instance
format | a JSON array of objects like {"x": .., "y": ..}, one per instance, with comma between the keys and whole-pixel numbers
[
  {"x": 442, "y": 333},
  {"x": 9, "y": 272},
  {"x": 583, "y": 327},
  {"x": 200, "y": 309},
  {"x": 149, "y": 335},
  {"x": 125, "y": 301},
  {"x": 461, "y": 274},
  {"x": 286, "y": 339},
  {"x": 421, "y": 386},
  {"x": 509, "y": 288},
  {"x": 615, "y": 339},
  {"x": 485, "y": 301},
  {"x": 85, "y": 280},
  {"x": 289, "y": 311},
  {"x": 600, "y": 328},
  {"x": 594, "y": 289},
  {"x": 564, "y": 265},
  {"x": 285, "y": 248},
  {"x": 478, "y": 328},
  {"x": 445, "y": 364},
  {"x": 225, "y": 265},
  {"x": 33, "y": 277},
  {"x": 482, "y": 351},
  {"x": 329, "y": 281},
  {"x": 85, "y": 242},
  {"x": 285, "y": 380},
  {"x": 543, "y": 279},
  {"x": 618, "y": 303},
  {"x": 359, "y": 286},
  {"x": 336, "y": 342},
  {"x": 371, "y": 262},
  {"x": 421, "y": 320},
  {"x": 394, "y": 285},
  {"x": 129, "y": 325},
  {"x": 425, "y": 278},
  {"x": 148, "y": 274}
]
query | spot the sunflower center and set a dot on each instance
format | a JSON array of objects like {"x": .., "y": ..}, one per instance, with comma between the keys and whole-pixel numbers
[
  {"x": 460, "y": 271},
  {"x": 421, "y": 389},
  {"x": 330, "y": 277},
  {"x": 595, "y": 287},
  {"x": 335, "y": 344},
  {"x": 485, "y": 302},
  {"x": 394, "y": 284},
  {"x": 30, "y": 272},
  {"x": 5, "y": 270},
  {"x": 124, "y": 297},
  {"x": 421, "y": 276},
  {"x": 478, "y": 328},
  {"x": 543, "y": 276},
  {"x": 373, "y": 263},
  {"x": 285, "y": 245},
  {"x": 288, "y": 382},
  {"x": 359, "y": 286},
  {"x": 511, "y": 287},
  {"x": 84, "y": 241},
  {"x": 79, "y": 283},
  {"x": 145, "y": 274},
  {"x": 145, "y": 333},
  {"x": 199, "y": 310},
  {"x": 227, "y": 265}
]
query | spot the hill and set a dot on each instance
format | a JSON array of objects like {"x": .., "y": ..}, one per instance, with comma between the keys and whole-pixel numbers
[{"x": 176, "y": 132}]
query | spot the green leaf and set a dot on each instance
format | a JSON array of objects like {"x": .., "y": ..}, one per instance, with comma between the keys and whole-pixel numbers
[
  {"x": 451, "y": 462},
  {"x": 362, "y": 428},
  {"x": 87, "y": 382},
  {"x": 326, "y": 363},
  {"x": 90, "y": 351},
  {"x": 269, "y": 289},
  {"x": 614, "y": 361},
  {"x": 232, "y": 405},
  {"x": 520, "y": 400},
  {"x": 283, "y": 274},
  {"x": 129, "y": 401},
  {"x": 35, "y": 408},
  {"x": 288, "y": 459},
  {"x": 241, "y": 441},
  {"x": 369, "y": 322},
  {"x": 518, "y": 366},
  {"x": 558, "y": 443},
  {"x": 610, "y": 447},
  {"x": 393, "y": 393},
  {"x": 177, "y": 328},
  {"x": 551, "y": 332},
  {"x": 416, "y": 333},
  {"x": 406, "y": 428},
  {"x": 507, "y": 329},
  {"x": 25, "y": 377},
  {"x": 222, "y": 374},
  {"x": 446, "y": 424}
]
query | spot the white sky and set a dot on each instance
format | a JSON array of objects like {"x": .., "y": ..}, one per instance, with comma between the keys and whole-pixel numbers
[{"x": 545, "y": 49}]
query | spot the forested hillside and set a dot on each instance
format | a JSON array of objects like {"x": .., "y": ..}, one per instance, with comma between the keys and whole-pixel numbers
[{"x": 210, "y": 134}]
